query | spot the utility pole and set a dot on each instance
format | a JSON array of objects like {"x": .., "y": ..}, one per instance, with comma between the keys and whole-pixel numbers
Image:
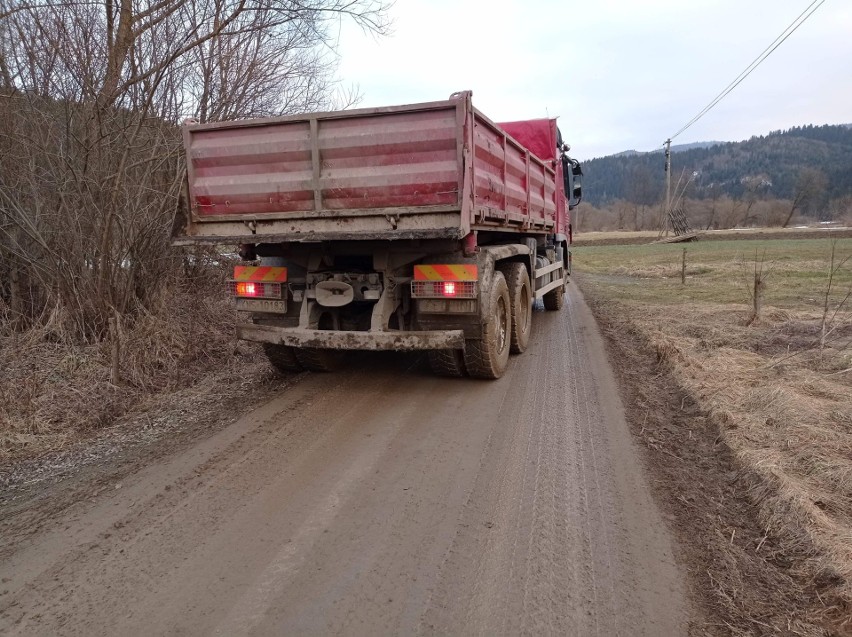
[
  {"x": 664, "y": 227},
  {"x": 668, "y": 176}
]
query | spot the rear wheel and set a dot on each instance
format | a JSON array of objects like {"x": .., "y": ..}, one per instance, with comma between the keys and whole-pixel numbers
[
  {"x": 520, "y": 297},
  {"x": 555, "y": 299},
  {"x": 446, "y": 362},
  {"x": 315, "y": 359},
  {"x": 489, "y": 356},
  {"x": 282, "y": 357}
]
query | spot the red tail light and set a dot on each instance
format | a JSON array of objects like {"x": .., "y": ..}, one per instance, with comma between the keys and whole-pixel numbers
[
  {"x": 443, "y": 289},
  {"x": 255, "y": 289},
  {"x": 248, "y": 289}
]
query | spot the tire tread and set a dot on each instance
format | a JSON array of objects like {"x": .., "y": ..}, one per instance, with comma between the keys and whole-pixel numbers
[
  {"x": 554, "y": 300},
  {"x": 316, "y": 359},
  {"x": 282, "y": 358},
  {"x": 517, "y": 277},
  {"x": 480, "y": 356},
  {"x": 447, "y": 362}
]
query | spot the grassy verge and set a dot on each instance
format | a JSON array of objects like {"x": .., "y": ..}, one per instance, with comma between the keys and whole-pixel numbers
[
  {"x": 633, "y": 237},
  {"x": 55, "y": 391},
  {"x": 777, "y": 393}
]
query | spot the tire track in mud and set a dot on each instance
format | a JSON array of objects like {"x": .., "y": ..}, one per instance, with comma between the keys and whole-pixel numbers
[
  {"x": 378, "y": 500},
  {"x": 569, "y": 556}
]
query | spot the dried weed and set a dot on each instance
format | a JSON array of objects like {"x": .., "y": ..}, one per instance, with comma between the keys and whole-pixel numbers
[
  {"x": 781, "y": 413},
  {"x": 54, "y": 390}
]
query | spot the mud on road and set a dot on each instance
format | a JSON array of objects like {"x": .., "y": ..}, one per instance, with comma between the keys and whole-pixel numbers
[{"x": 373, "y": 501}]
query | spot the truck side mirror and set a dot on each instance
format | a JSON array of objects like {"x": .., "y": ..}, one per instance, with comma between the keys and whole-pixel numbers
[{"x": 573, "y": 182}]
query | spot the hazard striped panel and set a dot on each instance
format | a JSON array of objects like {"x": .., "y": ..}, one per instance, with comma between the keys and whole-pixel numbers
[
  {"x": 437, "y": 281},
  {"x": 263, "y": 274},
  {"x": 454, "y": 272}
]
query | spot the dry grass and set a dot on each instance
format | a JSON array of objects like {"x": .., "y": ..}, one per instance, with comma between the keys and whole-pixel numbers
[
  {"x": 647, "y": 236},
  {"x": 787, "y": 416},
  {"x": 54, "y": 391},
  {"x": 781, "y": 403}
]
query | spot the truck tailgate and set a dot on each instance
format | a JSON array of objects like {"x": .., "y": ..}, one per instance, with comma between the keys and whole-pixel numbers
[
  {"x": 421, "y": 171},
  {"x": 361, "y": 173}
]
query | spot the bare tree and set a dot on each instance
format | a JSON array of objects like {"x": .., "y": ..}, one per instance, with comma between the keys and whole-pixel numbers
[
  {"x": 729, "y": 211},
  {"x": 810, "y": 188},
  {"x": 715, "y": 191},
  {"x": 754, "y": 187},
  {"x": 90, "y": 157},
  {"x": 831, "y": 308},
  {"x": 642, "y": 193},
  {"x": 622, "y": 209},
  {"x": 840, "y": 209}
]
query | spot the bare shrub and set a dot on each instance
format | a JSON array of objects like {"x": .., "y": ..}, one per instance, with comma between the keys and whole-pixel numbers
[
  {"x": 91, "y": 171},
  {"x": 588, "y": 218},
  {"x": 54, "y": 388},
  {"x": 91, "y": 167}
]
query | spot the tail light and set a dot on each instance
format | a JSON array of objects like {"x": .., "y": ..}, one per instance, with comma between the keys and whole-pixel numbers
[
  {"x": 443, "y": 289},
  {"x": 254, "y": 289},
  {"x": 257, "y": 282},
  {"x": 249, "y": 289}
]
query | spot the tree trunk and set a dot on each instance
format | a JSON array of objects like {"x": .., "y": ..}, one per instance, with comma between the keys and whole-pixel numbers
[
  {"x": 789, "y": 216},
  {"x": 121, "y": 41},
  {"x": 115, "y": 358}
]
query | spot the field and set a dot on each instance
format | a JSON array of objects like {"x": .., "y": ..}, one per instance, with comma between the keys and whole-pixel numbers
[
  {"x": 775, "y": 389},
  {"x": 643, "y": 237}
]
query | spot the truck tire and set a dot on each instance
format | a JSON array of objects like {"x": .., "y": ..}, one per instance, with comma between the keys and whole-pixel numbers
[
  {"x": 315, "y": 359},
  {"x": 282, "y": 357},
  {"x": 489, "y": 356},
  {"x": 446, "y": 362},
  {"x": 555, "y": 299},
  {"x": 520, "y": 296}
]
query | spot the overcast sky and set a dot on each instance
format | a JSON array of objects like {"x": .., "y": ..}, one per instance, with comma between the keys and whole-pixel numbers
[{"x": 620, "y": 74}]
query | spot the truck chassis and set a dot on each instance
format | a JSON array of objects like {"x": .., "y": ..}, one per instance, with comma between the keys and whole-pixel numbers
[{"x": 471, "y": 335}]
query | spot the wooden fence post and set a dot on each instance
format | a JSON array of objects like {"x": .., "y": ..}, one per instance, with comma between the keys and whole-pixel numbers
[{"x": 758, "y": 295}]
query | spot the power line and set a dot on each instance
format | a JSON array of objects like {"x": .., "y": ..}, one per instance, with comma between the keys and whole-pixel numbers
[{"x": 786, "y": 33}]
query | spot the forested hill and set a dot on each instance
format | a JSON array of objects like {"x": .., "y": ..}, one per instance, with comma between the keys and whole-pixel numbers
[{"x": 768, "y": 166}]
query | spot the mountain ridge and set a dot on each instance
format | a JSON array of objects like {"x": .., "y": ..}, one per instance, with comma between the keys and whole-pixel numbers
[
  {"x": 676, "y": 148},
  {"x": 766, "y": 166}
]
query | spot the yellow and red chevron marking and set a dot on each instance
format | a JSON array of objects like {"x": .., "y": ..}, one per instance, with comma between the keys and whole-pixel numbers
[
  {"x": 267, "y": 274},
  {"x": 454, "y": 272}
]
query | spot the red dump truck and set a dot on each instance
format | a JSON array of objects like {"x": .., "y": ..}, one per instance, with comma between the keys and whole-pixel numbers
[{"x": 417, "y": 227}]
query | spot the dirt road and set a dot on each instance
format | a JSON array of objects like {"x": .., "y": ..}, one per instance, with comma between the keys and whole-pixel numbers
[{"x": 379, "y": 500}]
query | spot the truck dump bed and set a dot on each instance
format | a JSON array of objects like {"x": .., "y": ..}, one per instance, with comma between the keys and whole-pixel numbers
[{"x": 432, "y": 170}]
